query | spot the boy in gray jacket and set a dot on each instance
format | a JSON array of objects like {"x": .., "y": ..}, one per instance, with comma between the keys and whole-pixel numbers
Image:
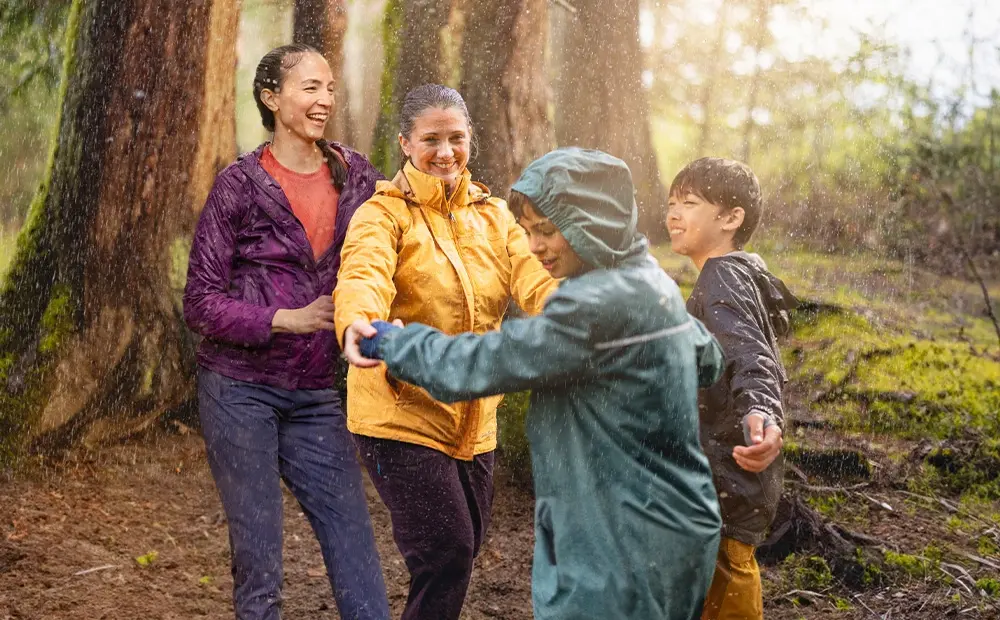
[{"x": 713, "y": 209}]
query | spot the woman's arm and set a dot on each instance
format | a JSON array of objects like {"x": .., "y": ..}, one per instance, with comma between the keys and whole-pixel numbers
[
  {"x": 365, "y": 289},
  {"x": 208, "y": 307}
]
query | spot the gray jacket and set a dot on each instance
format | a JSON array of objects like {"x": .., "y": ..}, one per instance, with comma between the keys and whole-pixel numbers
[{"x": 746, "y": 309}]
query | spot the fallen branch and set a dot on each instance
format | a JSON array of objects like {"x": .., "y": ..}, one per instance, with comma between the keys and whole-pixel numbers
[
  {"x": 982, "y": 286},
  {"x": 95, "y": 570}
]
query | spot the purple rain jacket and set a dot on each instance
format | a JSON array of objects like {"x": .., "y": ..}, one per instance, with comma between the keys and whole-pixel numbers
[{"x": 250, "y": 257}]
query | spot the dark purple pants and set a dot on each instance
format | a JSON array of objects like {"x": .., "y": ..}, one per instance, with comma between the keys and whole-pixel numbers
[{"x": 440, "y": 510}]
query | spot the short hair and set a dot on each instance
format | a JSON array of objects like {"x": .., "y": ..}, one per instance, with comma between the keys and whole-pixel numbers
[
  {"x": 518, "y": 203},
  {"x": 727, "y": 184}
]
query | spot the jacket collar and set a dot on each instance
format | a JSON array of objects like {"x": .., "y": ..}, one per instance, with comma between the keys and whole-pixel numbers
[{"x": 429, "y": 191}]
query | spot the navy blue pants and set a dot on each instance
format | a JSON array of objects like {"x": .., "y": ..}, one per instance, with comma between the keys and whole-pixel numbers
[
  {"x": 440, "y": 509},
  {"x": 256, "y": 436}
]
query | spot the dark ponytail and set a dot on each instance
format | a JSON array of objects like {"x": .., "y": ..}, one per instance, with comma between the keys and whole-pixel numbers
[
  {"x": 270, "y": 75},
  {"x": 429, "y": 96}
]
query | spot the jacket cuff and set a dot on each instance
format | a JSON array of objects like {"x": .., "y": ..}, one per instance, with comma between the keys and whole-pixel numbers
[
  {"x": 745, "y": 423},
  {"x": 372, "y": 347}
]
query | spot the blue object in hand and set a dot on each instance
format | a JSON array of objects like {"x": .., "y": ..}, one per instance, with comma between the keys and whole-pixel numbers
[{"x": 369, "y": 346}]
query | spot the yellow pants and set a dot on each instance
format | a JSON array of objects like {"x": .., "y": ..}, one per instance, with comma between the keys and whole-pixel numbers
[{"x": 735, "y": 593}]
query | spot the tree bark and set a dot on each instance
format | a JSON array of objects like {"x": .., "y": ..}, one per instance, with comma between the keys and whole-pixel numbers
[
  {"x": 414, "y": 55},
  {"x": 217, "y": 131},
  {"x": 91, "y": 341},
  {"x": 323, "y": 25},
  {"x": 505, "y": 86},
  {"x": 600, "y": 101}
]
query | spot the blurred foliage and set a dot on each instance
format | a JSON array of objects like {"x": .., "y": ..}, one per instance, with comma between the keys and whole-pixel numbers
[{"x": 850, "y": 152}]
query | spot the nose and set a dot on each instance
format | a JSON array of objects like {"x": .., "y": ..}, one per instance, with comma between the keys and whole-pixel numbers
[
  {"x": 536, "y": 245},
  {"x": 445, "y": 150},
  {"x": 672, "y": 215}
]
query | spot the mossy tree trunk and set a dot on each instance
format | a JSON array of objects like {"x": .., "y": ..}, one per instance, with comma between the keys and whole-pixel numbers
[
  {"x": 91, "y": 341},
  {"x": 600, "y": 100},
  {"x": 323, "y": 25},
  {"x": 414, "y": 38},
  {"x": 505, "y": 86}
]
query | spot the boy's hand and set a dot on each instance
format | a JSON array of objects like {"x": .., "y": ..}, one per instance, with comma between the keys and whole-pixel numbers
[{"x": 766, "y": 445}]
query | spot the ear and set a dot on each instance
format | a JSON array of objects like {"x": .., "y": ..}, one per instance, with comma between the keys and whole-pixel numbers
[
  {"x": 733, "y": 219},
  {"x": 270, "y": 99},
  {"x": 404, "y": 144}
]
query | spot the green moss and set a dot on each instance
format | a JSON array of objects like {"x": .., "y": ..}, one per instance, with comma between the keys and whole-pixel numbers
[
  {"x": 57, "y": 322},
  {"x": 384, "y": 147},
  {"x": 914, "y": 566},
  {"x": 986, "y": 546},
  {"x": 512, "y": 439},
  {"x": 841, "y": 604},
  {"x": 990, "y": 586},
  {"x": 807, "y": 572},
  {"x": 829, "y": 506}
]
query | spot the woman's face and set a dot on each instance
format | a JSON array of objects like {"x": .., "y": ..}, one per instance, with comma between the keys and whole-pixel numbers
[
  {"x": 438, "y": 145},
  {"x": 303, "y": 104}
]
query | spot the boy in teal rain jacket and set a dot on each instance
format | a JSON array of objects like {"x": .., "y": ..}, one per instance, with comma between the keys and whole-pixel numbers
[{"x": 626, "y": 518}]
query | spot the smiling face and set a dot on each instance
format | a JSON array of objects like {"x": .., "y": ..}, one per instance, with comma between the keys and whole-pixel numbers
[
  {"x": 438, "y": 144},
  {"x": 699, "y": 229},
  {"x": 303, "y": 102},
  {"x": 549, "y": 246}
]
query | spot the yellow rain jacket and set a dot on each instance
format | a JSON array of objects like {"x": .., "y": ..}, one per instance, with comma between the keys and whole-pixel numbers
[{"x": 413, "y": 253}]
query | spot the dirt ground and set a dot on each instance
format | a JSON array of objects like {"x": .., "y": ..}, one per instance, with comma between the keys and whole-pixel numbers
[{"x": 71, "y": 536}]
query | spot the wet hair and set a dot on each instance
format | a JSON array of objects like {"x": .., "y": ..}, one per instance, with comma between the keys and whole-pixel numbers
[
  {"x": 519, "y": 204},
  {"x": 270, "y": 75},
  {"x": 422, "y": 98},
  {"x": 727, "y": 184}
]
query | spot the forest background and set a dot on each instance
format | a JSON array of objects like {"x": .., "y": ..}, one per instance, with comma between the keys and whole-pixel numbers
[{"x": 873, "y": 128}]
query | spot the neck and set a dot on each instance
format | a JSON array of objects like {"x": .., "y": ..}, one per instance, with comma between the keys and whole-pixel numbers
[
  {"x": 295, "y": 153},
  {"x": 720, "y": 250}
]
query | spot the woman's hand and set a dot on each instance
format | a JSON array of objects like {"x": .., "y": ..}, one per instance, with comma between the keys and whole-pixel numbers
[
  {"x": 352, "y": 338},
  {"x": 315, "y": 317}
]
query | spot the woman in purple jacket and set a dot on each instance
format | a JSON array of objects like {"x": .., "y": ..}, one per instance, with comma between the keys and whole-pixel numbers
[{"x": 262, "y": 270}]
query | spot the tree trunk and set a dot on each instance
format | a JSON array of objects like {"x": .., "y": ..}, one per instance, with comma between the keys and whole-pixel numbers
[
  {"x": 91, "y": 341},
  {"x": 713, "y": 63},
  {"x": 414, "y": 54},
  {"x": 760, "y": 33},
  {"x": 323, "y": 25},
  {"x": 600, "y": 101},
  {"x": 217, "y": 131},
  {"x": 504, "y": 84}
]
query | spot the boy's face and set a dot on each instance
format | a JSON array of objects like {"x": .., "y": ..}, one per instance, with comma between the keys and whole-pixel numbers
[
  {"x": 700, "y": 229},
  {"x": 548, "y": 244}
]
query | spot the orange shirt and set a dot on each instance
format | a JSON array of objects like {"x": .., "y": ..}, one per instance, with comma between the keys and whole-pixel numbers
[{"x": 313, "y": 198}]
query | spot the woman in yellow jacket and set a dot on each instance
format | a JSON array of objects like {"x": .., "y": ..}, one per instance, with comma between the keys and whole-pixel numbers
[{"x": 431, "y": 246}]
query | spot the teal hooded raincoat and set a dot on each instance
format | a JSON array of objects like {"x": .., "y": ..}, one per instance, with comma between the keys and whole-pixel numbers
[{"x": 626, "y": 518}]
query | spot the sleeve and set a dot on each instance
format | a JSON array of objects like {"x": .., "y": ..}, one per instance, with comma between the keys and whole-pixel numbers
[
  {"x": 756, "y": 374},
  {"x": 710, "y": 358},
  {"x": 209, "y": 309},
  {"x": 365, "y": 289},
  {"x": 530, "y": 283},
  {"x": 553, "y": 348}
]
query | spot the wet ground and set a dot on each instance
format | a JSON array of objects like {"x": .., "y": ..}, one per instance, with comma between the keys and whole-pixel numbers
[{"x": 73, "y": 539}]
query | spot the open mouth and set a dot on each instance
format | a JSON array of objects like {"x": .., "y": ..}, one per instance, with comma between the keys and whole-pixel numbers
[
  {"x": 318, "y": 117},
  {"x": 446, "y": 168},
  {"x": 675, "y": 231},
  {"x": 548, "y": 263}
]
